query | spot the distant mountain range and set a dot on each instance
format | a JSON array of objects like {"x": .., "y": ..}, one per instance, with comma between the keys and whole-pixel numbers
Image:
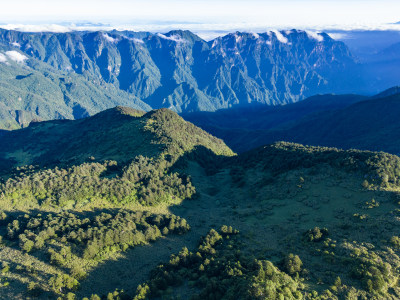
[
  {"x": 33, "y": 90},
  {"x": 378, "y": 51},
  {"x": 344, "y": 121},
  {"x": 71, "y": 75}
]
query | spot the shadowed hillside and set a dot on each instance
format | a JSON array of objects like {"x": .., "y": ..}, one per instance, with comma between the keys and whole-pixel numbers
[
  {"x": 343, "y": 121},
  {"x": 371, "y": 125},
  {"x": 258, "y": 117}
]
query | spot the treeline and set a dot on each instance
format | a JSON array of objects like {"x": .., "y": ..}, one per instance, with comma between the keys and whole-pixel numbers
[
  {"x": 378, "y": 168},
  {"x": 89, "y": 236},
  {"x": 69, "y": 239},
  {"x": 371, "y": 268},
  {"x": 144, "y": 180},
  {"x": 218, "y": 270}
]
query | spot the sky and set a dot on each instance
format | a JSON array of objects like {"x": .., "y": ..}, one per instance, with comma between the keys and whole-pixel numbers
[{"x": 201, "y": 16}]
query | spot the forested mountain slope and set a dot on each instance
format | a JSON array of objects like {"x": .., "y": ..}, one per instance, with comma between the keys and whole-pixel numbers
[
  {"x": 33, "y": 90},
  {"x": 118, "y": 134}
]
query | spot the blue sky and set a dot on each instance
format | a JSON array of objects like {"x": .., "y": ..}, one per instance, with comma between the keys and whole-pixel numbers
[{"x": 205, "y": 15}]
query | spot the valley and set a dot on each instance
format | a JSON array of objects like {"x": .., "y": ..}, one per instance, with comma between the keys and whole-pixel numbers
[{"x": 344, "y": 121}]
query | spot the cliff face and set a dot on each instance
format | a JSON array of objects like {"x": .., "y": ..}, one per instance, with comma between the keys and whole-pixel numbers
[{"x": 180, "y": 71}]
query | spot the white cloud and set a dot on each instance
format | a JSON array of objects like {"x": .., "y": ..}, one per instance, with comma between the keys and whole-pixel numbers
[
  {"x": 209, "y": 29},
  {"x": 109, "y": 38},
  {"x": 3, "y": 58},
  {"x": 134, "y": 40},
  {"x": 15, "y": 44},
  {"x": 138, "y": 41},
  {"x": 16, "y": 56},
  {"x": 271, "y": 12},
  {"x": 280, "y": 36},
  {"x": 339, "y": 36},
  {"x": 37, "y": 27},
  {"x": 175, "y": 38},
  {"x": 238, "y": 38},
  {"x": 315, "y": 35},
  {"x": 206, "y": 30},
  {"x": 212, "y": 29}
]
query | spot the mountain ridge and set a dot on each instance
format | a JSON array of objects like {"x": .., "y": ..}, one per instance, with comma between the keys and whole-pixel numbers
[{"x": 181, "y": 71}]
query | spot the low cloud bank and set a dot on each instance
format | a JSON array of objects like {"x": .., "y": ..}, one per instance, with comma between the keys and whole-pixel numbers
[{"x": 16, "y": 56}]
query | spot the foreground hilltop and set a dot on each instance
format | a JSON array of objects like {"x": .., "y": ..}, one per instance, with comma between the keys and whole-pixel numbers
[{"x": 119, "y": 134}]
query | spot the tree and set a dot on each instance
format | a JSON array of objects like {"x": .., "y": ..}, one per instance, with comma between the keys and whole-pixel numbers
[{"x": 292, "y": 264}]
